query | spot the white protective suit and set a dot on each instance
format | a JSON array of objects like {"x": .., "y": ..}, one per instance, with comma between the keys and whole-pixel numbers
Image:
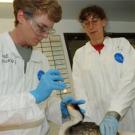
[
  {"x": 104, "y": 82},
  {"x": 19, "y": 114}
]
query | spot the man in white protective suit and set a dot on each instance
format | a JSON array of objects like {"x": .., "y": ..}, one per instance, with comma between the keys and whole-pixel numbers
[
  {"x": 26, "y": 81},
  {"x": 104, "y": 75}
]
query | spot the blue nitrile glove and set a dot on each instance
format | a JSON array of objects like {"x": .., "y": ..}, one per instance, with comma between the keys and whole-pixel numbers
[
  {"x": 49, "y": 81},
  {"x": 70, "y": 100},
  {"x": 109, "y": 126}
]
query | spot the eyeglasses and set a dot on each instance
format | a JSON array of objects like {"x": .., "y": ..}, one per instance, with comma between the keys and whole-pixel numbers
[{"x": 91, "y": 20}]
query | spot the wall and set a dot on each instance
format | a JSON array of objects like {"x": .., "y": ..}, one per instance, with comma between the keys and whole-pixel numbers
[
  {"x": 6, "y": 24},
  {"x": 74, "y": 26}
]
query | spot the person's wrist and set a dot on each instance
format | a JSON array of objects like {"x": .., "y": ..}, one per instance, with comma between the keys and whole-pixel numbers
[
  {"x": 34, "y": 93},
  {"x": 114, "y": 114}
]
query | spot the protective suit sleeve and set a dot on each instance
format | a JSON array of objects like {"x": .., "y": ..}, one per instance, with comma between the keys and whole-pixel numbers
[
  {"x": 53, "y": 111},
  {"x": 19, "y": 109},
  {"x": 125, "y": 95},
  {"x": 78, "y": 86}
]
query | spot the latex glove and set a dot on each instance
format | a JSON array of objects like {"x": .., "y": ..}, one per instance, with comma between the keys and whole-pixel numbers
[
  {"x": 109, "y": 126},
  {"x": 70, "y": 100},
  {"x": 49, "y": 81}
]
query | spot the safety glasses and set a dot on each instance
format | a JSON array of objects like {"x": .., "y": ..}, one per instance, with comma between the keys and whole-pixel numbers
[{"x": 38, "y": 27}]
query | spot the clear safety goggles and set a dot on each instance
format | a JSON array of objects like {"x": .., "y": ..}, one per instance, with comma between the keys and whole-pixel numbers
[{"x": 37, "y": 27}]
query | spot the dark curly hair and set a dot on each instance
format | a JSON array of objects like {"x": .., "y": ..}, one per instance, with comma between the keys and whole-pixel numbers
[
  {"x": 94, "y": 10},
  {"x": 84, "y": 128}
]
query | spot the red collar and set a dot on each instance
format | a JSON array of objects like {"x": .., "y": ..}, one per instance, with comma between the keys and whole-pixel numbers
[{"x": 98, "y": 47}]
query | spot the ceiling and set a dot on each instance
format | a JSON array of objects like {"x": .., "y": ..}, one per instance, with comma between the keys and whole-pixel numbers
[{"x": 117, "y": 10}]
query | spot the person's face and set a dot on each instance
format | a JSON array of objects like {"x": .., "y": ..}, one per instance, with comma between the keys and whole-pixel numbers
[
  {"x": 94, "y": 26},
  {"x": 35, "y": 29}
]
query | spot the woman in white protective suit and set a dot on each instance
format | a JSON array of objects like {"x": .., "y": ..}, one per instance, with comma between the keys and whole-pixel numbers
[
  {"x": 104, "y": 75},
  {"x": 24, "y": 91}
]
